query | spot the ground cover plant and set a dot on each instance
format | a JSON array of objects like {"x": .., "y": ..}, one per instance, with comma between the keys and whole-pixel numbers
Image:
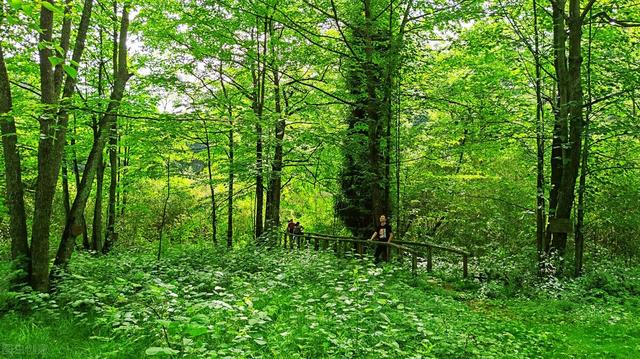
[{"x": 199, "y": 302}]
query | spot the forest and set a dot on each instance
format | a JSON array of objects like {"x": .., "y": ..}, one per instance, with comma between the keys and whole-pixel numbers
[{"x": 320, "y": 178}]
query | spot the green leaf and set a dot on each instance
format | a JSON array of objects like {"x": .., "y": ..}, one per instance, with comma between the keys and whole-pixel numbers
[
  {"x": 196, "y": 330},
  {"x": 70, "y": 70},
  {"x": 49, "y": 6},
  {"x": 260, "y": 341},
  {"x": 160, "y": 351},
  {"x": 55, "y": 60},
  {"x": 16, "y": 4}
]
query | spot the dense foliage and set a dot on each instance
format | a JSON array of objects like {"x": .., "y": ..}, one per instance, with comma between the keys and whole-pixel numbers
[
  {"x": 199, "y": 302},
  {"x": 152, "y": 151}
]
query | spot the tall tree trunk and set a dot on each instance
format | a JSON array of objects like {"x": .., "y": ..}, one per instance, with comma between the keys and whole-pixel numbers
[
  {"x": 579, "y": 236},
  {"x": 212, "y": 193},
  {"x": 111, "y": 235},
  {"x": 373, "y": 112},
  {"x": 61, "y": 52},
  {"x": 124, "y": 180},
  {"x": 15, "y": 191},
  {"x": 76, "y": 172},
  {"x": 275, "y": 180},
  {"x": 53, "y": 125},
  {"x": 73, "y": 226},
  {"x": 569, "y": 122},
  {"x": 259, "y": 181},
  {"x": 96, "y": 237},
  {"x": 540, "y": 143},
  {"x": 48, "y": 163},
  {"x": 556, "y": 241},
  {"x": 230, "y": 189},
  {"x": 65, "y": 189},
  {"x": 164, "y": 208},
  {"x": 230, "y": 158},
  {"x": 258, "y": 75}
]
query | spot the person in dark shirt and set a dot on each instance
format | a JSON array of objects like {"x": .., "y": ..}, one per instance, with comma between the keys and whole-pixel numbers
[
  {"x": 383, "y": 233},
  {"x": 290, "y": 226}
]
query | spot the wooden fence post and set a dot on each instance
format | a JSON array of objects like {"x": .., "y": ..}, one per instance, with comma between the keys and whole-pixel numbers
[
  {"x": 316, "y": 244},
  {"x": 429, "y": 259},
  {"x": 464, "y": 266},
  {"x": 414, "y": 264}
]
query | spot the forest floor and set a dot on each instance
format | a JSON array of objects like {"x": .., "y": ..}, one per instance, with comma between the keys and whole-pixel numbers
[{"x": 249, "y": 303}]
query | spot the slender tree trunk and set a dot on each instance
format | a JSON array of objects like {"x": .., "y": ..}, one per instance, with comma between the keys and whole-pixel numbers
[
  {"x": 111, "y": 235},
  {"x": 164, "y": 208},
  {"x": 579, "y": 236},
  {"x": 96, "y": 237},
  {"x": 73, "y": 226},
  {"x": 259, "y": 75},
  {"x": 61, "y": 52},
  {"x": 259, "y": 182},
  {"x": 540, "y": 143},
  {"x": 569, "y": 122},
  {"x": 275, "y": 180},
  {"x": 76, "y": 171},
  {"x": 48, "y": 163},
  {"x": 124, "y": 180},
  {"x": 65, "y": 189},
  {"x": 214, "y": 219},
  {"x": 230, "y": 189},
  {"x": 398, "y": 203},
  {"x": 556, "y": 242},
  {"x": 230, "y": 157},
  {"x": 15, "y": 191},
  {"x": 53, "y": 125}
]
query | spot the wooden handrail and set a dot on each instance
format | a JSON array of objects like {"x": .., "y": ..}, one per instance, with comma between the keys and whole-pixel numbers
[
  {"x": 405, "y": 246},
  {"x": 419, "y": 244},
  {"x": 448, "y": 249}
]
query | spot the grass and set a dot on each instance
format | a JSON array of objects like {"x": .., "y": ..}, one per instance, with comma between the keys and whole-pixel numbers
[{"x": 271, "y": 303}]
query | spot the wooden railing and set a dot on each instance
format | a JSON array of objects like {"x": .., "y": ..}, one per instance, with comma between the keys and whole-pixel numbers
[{"x": 413, "y": 249}]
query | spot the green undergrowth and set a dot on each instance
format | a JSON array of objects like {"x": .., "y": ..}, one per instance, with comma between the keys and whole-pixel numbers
[{"x": 209, "y": 303}]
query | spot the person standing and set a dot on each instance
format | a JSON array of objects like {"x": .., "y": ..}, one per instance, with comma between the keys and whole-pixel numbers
[{"x": 383, "y": 233}]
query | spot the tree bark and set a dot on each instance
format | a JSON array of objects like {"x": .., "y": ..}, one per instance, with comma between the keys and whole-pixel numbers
[
  {"x": 229, "y": 109},
  {"x": 569, "y": 121},
  {"x": 164, "y": 208},
  {"x": 66, "y": 201},
  {"x": 53, "y": 125},
  {"x": 230, "y": 188},
  {"x": 212, "y": 193},
  {"x": 48, "y": 162},
  {"x": 111, "y": 234},
  {"x": 96, "y": 237},
  {"x": 540, "y": 144},
  {"x": 73, "y": 226},
  {"x": 15, "y": 191},
  {"x": 258, "y": 73},
  {"x": 124, "y": 180},
  {"x": 65, "y": 39},
  {"x": 275, "y": 180},
  {"x": 579, "y": 237},
  {"x": 76, "y": 172}
]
